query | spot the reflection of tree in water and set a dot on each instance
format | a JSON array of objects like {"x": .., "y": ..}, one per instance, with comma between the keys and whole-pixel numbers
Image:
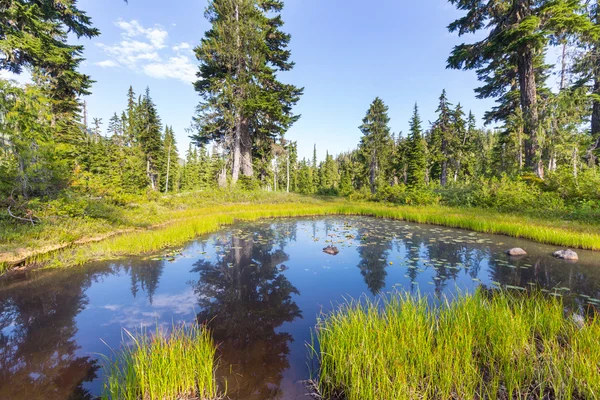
[
  {"x": 548, "y": 272},
  {"x": 373, "y": 254},
  {"x": 446, "y": 270},
  {"x": 145, "y": 275},
  {"x": 37, "y": 338},
  {"x": 244, "y": 299}
]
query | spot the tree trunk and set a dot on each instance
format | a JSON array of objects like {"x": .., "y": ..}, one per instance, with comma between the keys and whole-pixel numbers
[
  {"x": 287, "y": 189},
  {"x": 168, "y": 167},
  {"x": 246, "y": 149},
  {"x": 528, "y": 90},
  {"x": 372, "y": 173},
  {"x": 595, "y": 115},
  {"x": 236, "y": 156},
  {"x": 444, "y": 174}
]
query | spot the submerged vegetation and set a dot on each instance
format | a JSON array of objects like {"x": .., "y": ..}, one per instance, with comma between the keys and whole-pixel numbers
[
  {"x": 493, "y": 345},
  {"x": 163, "y": 366}
]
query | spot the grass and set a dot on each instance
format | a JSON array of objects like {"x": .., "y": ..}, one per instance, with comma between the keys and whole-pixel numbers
[
  {"x": 478, "y": 346},
  {"x": 173, "y": 221},
  {"x": 175, "y": 366}
]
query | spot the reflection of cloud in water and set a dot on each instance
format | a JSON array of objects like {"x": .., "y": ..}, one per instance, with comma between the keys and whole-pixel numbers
[{"x": 163, "y": 310}]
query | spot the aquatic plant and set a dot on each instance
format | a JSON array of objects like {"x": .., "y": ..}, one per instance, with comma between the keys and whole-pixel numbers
[
  {"x": 492, "y": 345},
  {"x": 162, "y": 366}
]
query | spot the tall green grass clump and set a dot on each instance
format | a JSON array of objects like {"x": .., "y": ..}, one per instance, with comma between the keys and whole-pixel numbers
[
  {"x": 163, "y": 366},
  {"x": 478, "y": 346}
]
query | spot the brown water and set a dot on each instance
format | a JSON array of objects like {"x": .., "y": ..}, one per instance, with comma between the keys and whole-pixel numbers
[{"x": 260, "y": 286}]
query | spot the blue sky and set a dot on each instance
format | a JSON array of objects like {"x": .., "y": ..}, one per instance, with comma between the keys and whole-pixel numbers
[{"x": 347, "y": 52}]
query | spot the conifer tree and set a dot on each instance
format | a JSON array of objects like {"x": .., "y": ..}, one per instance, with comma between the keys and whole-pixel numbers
[
  {"x": 242, "y": 99},
  {"x": 149, "y": 137},
  {"x": 442, "y": 141},
  {"x": 416, "y": 163},
  {"x": 376, "y": 144},
  {"x": 34, "y": 35},
  {"x": 518, "y": 33}
]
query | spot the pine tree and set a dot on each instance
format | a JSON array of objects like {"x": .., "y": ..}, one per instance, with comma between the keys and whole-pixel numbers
[
  {"x": 442, "y": 141},
  {"x": 518, "y": 35},
  {"x": 376, "y": 144},
  {"x": 416, "y": 163},
  {"x": 34, "y": 35},
  {"x": 242, "y": 99},
  {"x": 149, "y": 137}
]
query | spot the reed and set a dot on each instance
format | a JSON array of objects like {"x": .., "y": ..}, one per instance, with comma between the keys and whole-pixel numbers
[
  {"x": 481, "y": 345},
  {"x": 179, "y": 365}
]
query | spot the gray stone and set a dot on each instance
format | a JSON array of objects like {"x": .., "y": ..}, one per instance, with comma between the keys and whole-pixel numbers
[
  {"x": 566, "y": 255},
  {"x": 517, "y": 251},
  {"x": 331, "y": 250}
]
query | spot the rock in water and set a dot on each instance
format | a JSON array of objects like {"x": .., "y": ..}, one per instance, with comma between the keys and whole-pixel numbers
[
  {"x": 332, "y": 250},
  {"x": 566, "y": 255},
  {"x": 517, "y": 251}
]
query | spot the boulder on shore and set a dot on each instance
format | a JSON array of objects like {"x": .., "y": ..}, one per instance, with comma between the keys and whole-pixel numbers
[
  {"x": 331, "y": 250},
  {"x": 516, "y": 251},
  {"x": 566, "y": 255}
]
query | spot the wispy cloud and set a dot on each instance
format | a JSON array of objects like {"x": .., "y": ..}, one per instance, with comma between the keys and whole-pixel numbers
[{"x": 145, "y": 50}]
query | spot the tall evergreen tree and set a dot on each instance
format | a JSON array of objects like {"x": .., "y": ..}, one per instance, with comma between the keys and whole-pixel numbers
[
  {"x": 376, "y": 144},
  {"x": 416, "y": 162},
  {"x": 149, "y": 137},
  {"x": 242, "y": 99},
  {"x": 34, "y": 35},
  {"x": 518, "y": 33}
]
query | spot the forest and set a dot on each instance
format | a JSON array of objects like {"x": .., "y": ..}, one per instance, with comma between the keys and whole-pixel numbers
[
  {"x": 537, "y": 151},
  {"x": 136, "y": 267}
]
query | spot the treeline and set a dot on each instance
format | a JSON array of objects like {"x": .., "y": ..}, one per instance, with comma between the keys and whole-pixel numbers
[{"x": 545, "y": 143}]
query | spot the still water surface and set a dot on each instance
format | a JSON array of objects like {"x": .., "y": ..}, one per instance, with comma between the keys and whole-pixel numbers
[{"x": 260, "y": 287}]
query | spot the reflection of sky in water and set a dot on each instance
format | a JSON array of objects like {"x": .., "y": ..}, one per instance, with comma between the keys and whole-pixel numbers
[{"x": 260, "y": 285}]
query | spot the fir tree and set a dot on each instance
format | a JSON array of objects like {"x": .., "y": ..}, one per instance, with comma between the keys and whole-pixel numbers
[
  {"x": 416, "y": 163},
  {"x": 376, "y": 144},
  {"x": 518, "y": 34},
  {"x": 242, "y": 99}
]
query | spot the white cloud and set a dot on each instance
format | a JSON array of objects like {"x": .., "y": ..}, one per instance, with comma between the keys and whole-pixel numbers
[
  {"x": 182, "y": 46},
  {"x": 107, "y": 64},
  {"x": 178, "y": 67},
  {"x": 164, "y": 310},
  {"x": 145, "y": 50}
]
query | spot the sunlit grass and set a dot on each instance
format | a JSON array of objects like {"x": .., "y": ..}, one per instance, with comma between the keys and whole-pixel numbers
[
  {"x": 186, "y": 219},
  {"x": 477, "y": 346},
  {"x": 159, "y": 366}
]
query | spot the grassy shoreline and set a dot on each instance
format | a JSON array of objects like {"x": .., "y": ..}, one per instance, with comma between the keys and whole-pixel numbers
[{"x": 184, "y": 222}]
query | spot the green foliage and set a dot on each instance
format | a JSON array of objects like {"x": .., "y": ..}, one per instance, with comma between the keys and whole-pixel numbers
[
  {"x": 376, "y": 145},
  {"x": 416, "y": 163},
  {"x": 243, "y": 103},
  {"x": 34, "y": 35},
  {"x": 178, "y": 364},
  {"x": 482, "y": 345}
]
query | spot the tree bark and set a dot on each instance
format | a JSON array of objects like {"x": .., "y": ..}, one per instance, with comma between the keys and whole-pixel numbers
[
  {"x": 444, "y": 174},
  {"x": 595, "y": 115},
  {"x": 528, "y": 90},
  {"x": 372, "y": 168},
  {"x": 236, "y": 156},
  {"x": 246, "y": 148}
]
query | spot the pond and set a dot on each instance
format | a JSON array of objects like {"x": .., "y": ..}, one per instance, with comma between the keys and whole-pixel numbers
[{"x": 260, "y": 287}]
